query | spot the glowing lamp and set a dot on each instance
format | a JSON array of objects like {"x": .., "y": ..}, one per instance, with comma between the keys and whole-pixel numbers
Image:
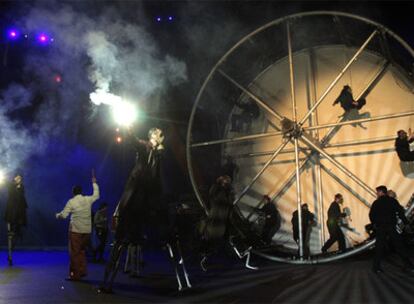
[
  {"x": 118, "y": 139},
  {"x": 170, "y": 18},
  {"x": 158, "y": 19}
]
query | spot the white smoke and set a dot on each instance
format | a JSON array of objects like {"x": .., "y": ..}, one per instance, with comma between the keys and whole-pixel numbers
[{"x": 104, "y": 53}]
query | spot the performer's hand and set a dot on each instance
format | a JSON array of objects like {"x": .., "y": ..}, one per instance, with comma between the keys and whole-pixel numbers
[{"x": 58, "y": 216}]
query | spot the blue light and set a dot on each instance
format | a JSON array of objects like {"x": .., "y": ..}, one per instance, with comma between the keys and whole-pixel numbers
[
  {"x": 170, "y": 18},
  {"x": 158, "y": 19},
  {"x": 13, "y": 34}
]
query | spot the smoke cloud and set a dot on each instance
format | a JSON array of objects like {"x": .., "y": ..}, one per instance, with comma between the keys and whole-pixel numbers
[{"x": 103, "y": 52}]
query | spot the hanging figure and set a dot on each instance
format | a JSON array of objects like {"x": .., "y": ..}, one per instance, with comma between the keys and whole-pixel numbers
[
  {"x": 308, "y": 220},
  {"x": 15, "y": 215},
  {"x": 346, "y": 100},
  {"x": 141, "y": 205},
  {"x": 402, "y": 145}
]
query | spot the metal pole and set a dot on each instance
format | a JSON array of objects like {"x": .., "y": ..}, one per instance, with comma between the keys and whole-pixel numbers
[
  {"x": 260, "y": 102},
  {"x": 294, "y": 114},
  {"x": 362, "y": 141},
  {"x": 336, "y": 145},
  {"x": 235, "y": 139},
  {"x": 261, "y": 171},
  {"x": 350, "y": 122},
  {"x": 314, "y": 119},
  {"x": 353, "y": 59},
  {"x": 338, "y": 165}
]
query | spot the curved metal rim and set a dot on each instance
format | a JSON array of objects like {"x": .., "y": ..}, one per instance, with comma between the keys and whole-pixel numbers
[{"x": 223, "y": 58}]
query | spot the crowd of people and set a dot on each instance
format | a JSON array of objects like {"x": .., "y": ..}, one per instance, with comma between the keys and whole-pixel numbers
[{"x": 144, "y": 185}]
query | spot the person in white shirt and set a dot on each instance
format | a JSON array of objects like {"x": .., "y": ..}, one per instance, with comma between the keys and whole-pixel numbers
[{"x": 80, "y": 228}]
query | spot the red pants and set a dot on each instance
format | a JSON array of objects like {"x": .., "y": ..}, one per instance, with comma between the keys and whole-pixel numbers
[{"x": 78, "y": 242}]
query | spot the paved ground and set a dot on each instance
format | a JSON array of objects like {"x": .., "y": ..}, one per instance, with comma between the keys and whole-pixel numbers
[{"x": 38, "y": 277}]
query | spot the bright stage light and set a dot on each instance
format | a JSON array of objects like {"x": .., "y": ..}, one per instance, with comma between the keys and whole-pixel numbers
[
  {"x": 42, "y": 38},
  {"x": 123, "y": 112},
  {"x": 2, "y": 177},
  {"x": 13, "y": 34}
]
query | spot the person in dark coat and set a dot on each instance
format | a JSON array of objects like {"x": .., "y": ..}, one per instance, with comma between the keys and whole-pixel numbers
[
  {"x": 272, "y": 222},
  {"x": 216, "y": 229},
  {"x": 334, "y": 219},
  {"x": 141, "y": 204},
  {"x": 141, "y": 200},
  {"x": 383, "y": 215},
  {"x": 15, "y": 214},
  {"x": 346, "y": 100},
  {"x": 402, "y": 145},
  {"x": 308, "y": 219},
  {"x": 100, "y": 222}
]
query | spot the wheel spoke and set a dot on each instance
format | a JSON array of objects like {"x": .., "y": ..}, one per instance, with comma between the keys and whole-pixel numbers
[
  {"x": 346, "y": 186},
  {"x": 276, "y": 153},
  {"x": 357, "y": 121},
  {"x": 320, "y": 150},
  {"x": 259, "y": 101},
  {"x": 235, "y": 139}
]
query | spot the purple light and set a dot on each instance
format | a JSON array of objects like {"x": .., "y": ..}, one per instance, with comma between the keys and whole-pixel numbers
[
  {"x": 13, "y": 34},
  {"x": 158, "y": 19},
  {"x": 43, "y": 38},
  {"x": 170, "y": 18}
]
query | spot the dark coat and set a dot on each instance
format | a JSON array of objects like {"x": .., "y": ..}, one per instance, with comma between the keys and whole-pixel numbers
[
  {"x": 221, "y": 207},
  {"x": 142, "y": 193},
  {"x": 334, "y": 214},
  {"x": 16, "y": 206},
  {"x": 402, "y": 146},
  {"x": 346, "y": 100},
  {"x": 307, "y": 220},
  {"x": 384, "y": 211}
]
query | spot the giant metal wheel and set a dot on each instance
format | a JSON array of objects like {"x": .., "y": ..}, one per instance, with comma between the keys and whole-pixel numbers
[{"x": 291, "y": 70}]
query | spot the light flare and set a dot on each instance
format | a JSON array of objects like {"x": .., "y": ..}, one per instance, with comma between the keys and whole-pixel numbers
[{"x": 124, "y": 113}]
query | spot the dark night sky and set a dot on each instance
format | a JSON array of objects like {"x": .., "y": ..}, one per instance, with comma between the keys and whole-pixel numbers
[{"x": 52, "y": 173}]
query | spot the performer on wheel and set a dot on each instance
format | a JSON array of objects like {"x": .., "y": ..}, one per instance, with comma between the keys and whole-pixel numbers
[
  {"x": 402, "y": 145},
  {"x": 346, "y": 100}
]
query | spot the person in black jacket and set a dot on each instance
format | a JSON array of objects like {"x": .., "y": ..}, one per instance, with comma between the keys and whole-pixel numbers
[
  {"x": 402, "y": 145},
  {"x": 272, "y": 222},
  {"x": 308, "y": 219},
  {"x": 346, "y": 100},
  {"x": 216, "y": 228},
  {"x": 334, "y": 220},
  {"x": 15, "y": 215},
  {"x": 383, "y": 216}
]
